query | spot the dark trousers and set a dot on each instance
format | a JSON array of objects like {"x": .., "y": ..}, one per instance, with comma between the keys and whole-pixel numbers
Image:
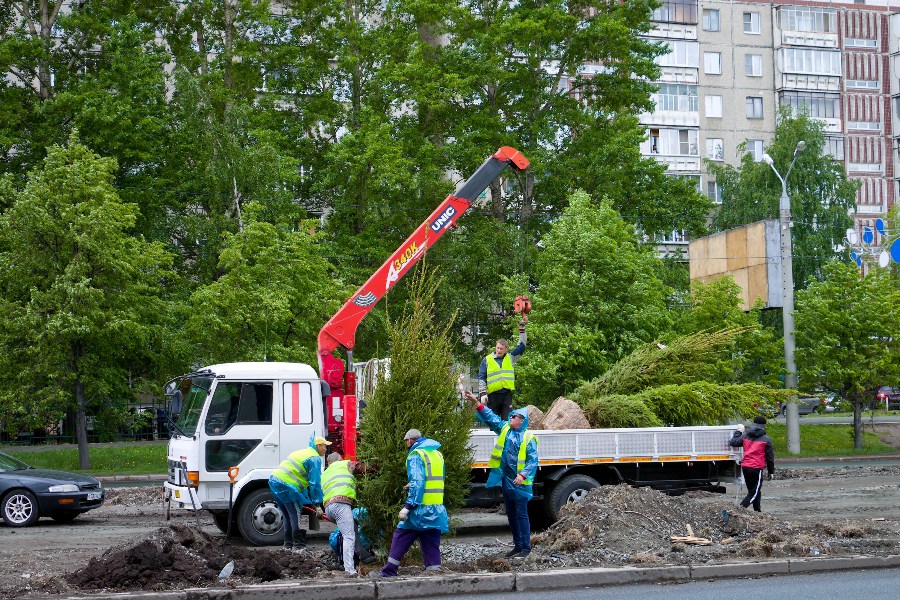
[
  {"x": 429, "y": 539},
  {"x": 517, "y": 515},
  {"x": 753, "y": 478},
  {"x": 290, "y": 520},
  {"x": 500, "y": 403}
]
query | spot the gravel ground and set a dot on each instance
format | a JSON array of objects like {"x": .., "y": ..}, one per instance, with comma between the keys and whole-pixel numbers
[{"x": 128, "y": 544}]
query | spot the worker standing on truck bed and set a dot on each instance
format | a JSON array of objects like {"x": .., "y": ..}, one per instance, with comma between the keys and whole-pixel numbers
[
  {"x": 514, "y": 463},
  {"x": 339, "y": 487},
  {"x": 759, "y": 454},
  {"x": 496, "y": 376},
  {"x": 423, "y": 516},
  {"x": 296, "y": 483}
]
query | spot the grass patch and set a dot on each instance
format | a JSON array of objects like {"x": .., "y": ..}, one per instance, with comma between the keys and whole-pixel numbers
[
  {"x": 826, "y": 439},
  {"x": 106, "y": 459}
]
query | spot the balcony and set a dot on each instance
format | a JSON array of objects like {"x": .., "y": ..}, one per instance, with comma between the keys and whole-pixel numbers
[
  {"x": 809, "y": 38},
  {"x": 822, "y": 83}
]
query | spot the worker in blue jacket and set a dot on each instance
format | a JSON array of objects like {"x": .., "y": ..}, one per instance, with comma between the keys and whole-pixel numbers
[
  {"x": 423, "y": 516},
  {"x": 514, "y": 463}
]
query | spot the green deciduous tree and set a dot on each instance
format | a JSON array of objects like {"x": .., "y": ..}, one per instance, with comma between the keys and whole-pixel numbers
[
  {"x": 418, "y": 394},
  {"x": 81, "y": 301},
  {"x": 822, "y": 196},
  {"x": 597, "y": 299},
  {"x": 848, "y": 336},
  {"x": 274, "y": 293}
]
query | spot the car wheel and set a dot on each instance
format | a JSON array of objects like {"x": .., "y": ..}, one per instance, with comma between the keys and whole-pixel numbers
[
  {"x": 20, "y": 508},
  {"x": 571, "y": 489},
  {"x": 259, "y": 519},
  {"x": 65, "y": 517}
]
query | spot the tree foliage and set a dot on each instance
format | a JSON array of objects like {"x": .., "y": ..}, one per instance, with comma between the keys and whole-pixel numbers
[
  {"x": 821, "y": 194},
  {"x": 418, "y": 394},
  {"x": 81, "y": 296},
  {"x": 756, "y": 355},
  {"x": 847, "y": 336},
  {"x": 274, "y": 293},
  {"x": 597, "y": 299}
]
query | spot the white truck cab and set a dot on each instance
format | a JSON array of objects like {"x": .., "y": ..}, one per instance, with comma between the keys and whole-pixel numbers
[{"x": 248, "y": 415}]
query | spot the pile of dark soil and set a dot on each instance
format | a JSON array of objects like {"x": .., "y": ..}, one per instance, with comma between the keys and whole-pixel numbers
[
  {"x": 180, "y": 556},
  {"x": 621, "y": 525}
]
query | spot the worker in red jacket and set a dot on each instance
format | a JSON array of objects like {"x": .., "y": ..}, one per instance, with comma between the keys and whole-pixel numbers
[{"x": 758, "y": 455}]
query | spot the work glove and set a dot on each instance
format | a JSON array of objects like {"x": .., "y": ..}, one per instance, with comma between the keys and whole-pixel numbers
[
  {"x": 404, "y": 512},
  {"x": 770, "y": 476},
  {"x": 319, "y": 512},
  {"x": 484, "y": 398},
  {"x": 736, "y": 434}
]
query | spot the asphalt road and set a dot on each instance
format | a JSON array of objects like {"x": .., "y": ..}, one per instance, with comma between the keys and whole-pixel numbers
[{"x": 867, "y": 584}]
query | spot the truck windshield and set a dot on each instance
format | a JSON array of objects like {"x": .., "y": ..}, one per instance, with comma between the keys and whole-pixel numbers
[{"x": 194, "y": 391}]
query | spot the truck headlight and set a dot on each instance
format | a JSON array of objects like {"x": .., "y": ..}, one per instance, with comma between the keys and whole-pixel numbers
[{"x": 67, "y": 487}]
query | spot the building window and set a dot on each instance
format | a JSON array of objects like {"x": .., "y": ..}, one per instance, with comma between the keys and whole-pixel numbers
[
  {"x": 834, "y": 147},
  {"x": 713, "y": 106},
  {"x": 811, "y": 20},
  {"x": 861, "y": 84},
  {"x": 712, "y": 63},
  {"x": 753, "y": 65},
  {"x": 674, "y": 142},
  {"x": 677, "y": 97},
  {"x": 681, "y": 54},
  {"x": 860, "y": 43},
  {"x": 676, "y": 11},
  {"x": 714, "y": 192},
  {"x": 812, "y": 62},
  {"x": 755, "y": 149},
  {"x": 754, "y": 107},
  {"x": 715, "y": 149},
  {"x": 711, "y": 19},
  {"x": 751, "y": 22},
  {"x": 819, "y": 104}
]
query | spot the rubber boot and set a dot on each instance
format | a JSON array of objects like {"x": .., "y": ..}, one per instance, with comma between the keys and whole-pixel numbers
[{"x": 300, "y": 540}]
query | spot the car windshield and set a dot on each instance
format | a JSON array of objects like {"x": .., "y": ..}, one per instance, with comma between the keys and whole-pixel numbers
[
  {"x": 193, "y": 390},
  {"x": 8, "y": 463}
]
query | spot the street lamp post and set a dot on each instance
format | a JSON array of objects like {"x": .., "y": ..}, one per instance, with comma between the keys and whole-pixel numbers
[{"x": 792, "y": 416}]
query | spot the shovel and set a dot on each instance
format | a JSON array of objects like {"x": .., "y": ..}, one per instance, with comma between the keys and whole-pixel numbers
[{"x": 232, "y": 475}]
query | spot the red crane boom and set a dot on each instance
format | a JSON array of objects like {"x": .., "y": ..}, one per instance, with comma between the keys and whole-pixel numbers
[{"x": 340, "y": 330}]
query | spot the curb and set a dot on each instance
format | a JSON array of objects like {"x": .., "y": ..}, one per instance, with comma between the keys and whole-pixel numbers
[
  {"x": 160, "y": 479},
  {"x": 487, "y": 583}
]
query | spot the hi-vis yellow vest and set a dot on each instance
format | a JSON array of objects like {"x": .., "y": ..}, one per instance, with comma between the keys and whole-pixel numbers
[
  {"x": 292, "y": 472},
  {"x": 500, "y": 377},
  {"x": 434, "y": 475},
  {"x": 497, "y": 452},
  {"x": 338, "y": 481}
]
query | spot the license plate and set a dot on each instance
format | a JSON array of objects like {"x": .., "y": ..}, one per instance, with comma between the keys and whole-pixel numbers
[{"x": 95, "y": 495}]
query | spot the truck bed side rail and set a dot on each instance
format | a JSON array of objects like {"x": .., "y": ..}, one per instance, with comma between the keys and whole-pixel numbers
[{"x": 596, "y": 446}]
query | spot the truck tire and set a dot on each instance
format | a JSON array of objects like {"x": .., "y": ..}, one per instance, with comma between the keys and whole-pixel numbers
[
  {"x": 569, "y": 489},
  {"x": 258, "y": 519},
  {"x": 221, "y": 521}
]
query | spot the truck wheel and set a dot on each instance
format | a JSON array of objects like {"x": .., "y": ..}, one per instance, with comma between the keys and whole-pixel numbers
[
  {"x": 221, "y": 520},
  {"x": 570, "y": 489},
  {"x": 259, "y": 520}
]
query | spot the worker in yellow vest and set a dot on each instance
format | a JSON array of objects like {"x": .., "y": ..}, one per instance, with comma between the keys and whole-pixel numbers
[
  {"x": 339, "y": 487},
  {"x": 297, "y": 483},
  {"x": 496, "y": 377},
  {"x": 423, "y": 516},
  {"x": 514, "y": 463}
]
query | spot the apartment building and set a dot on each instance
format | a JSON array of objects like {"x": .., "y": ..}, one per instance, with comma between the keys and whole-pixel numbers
[{"x": 733, "y": 62}]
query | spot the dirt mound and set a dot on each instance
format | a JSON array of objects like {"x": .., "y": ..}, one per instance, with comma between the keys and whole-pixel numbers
[
  {"x": 134, "y": 496},
  {"x": 179, "y": 556},
  {"x": 622, "y": 524}
]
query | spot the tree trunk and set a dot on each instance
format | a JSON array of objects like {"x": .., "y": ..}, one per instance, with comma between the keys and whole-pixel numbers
[
  {"x": 229, "y": 45},
  {"x": 84, "y": 456},
  {"x": 857, "y": 423}
]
